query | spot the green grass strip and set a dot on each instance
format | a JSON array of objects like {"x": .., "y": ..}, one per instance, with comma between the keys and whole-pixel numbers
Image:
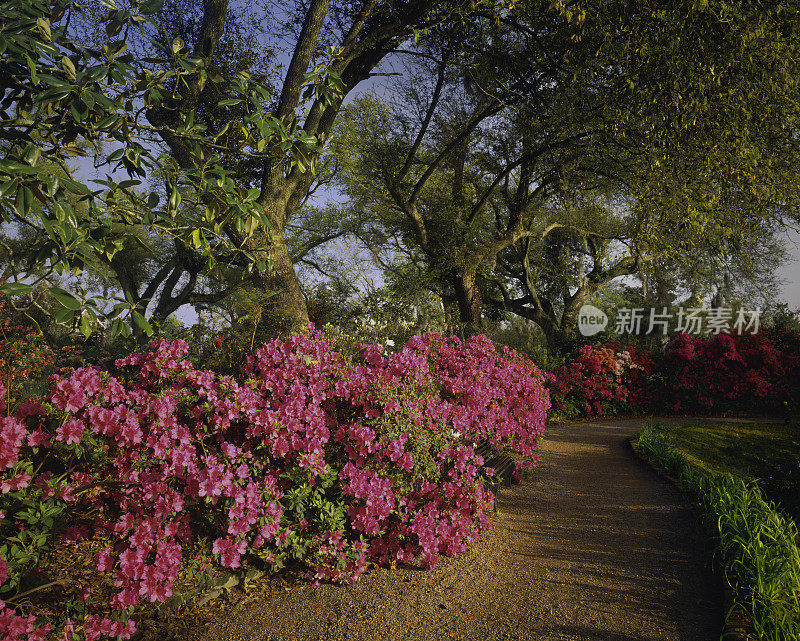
[{"x": 757, "y": 546}]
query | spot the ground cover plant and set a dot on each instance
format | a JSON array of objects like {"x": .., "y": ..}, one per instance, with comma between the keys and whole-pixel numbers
[
  {"x": 756, "y": 545},
  {"x": 313, "y": 457}
]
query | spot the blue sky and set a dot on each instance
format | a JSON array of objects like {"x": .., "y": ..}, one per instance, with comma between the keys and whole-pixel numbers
[{"x": 790, "y": 272}]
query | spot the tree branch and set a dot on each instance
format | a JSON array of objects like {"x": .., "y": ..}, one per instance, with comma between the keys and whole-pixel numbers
[
  {"x": 448, "y": 148},
  {"x": 425, "y": 122},
  {"x": 306, "y": 247},
  {"x": 301, "y": 58}
]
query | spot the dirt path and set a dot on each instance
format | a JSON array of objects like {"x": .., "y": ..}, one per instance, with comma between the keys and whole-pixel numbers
[{"x": 597, "y": 546}]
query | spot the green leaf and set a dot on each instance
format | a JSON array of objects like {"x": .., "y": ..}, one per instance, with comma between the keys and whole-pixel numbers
[
  {"x": 16, "y": 289},
  {"x": 250, "y": 226},
  {"x": 68, "y": 66},
  {"x": 13, "y": 167},
  {"x": 32, "y": 69},
  {"x": 114, "y": 27},
  {"x": 106, "y": 122},
  {"x": 65, "y": 316},
  {"x": 142, "y": 323},
  {"x": 97, "y": 73},
  {"x": 150, "y": 7},
  {"x": 65, "y": 298},
  {"x": 85, "y": 326},
  {"x": 32, "y": 154},
  {"x": 24, "y": 200},
  {"x": 116, "y": 327},
  {"x": 51, "y": 186},
  {"x": 7, "y": 186},
  {"x": 174, "y": 199},
  {"x": 77, "y": 116}
]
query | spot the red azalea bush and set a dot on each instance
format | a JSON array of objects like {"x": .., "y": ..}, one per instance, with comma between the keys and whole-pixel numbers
[
  {"x": 594, "y": 383},
  {"x": 313, "y": 457},
  {"x": 788, "y": 343},
  {"x": 639, "y": 367},
  {"x": 26, "y": 360},
  {"x": 747, "y": 372}
]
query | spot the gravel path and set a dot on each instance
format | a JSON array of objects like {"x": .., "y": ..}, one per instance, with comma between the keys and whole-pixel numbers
[{"x": 597, "y": 546}]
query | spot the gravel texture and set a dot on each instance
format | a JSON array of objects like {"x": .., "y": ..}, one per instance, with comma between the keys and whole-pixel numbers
[{"x": 595, "y": 546}]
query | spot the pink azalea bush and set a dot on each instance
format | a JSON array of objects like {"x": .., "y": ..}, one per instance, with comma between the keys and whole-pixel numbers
[{"x": 313, "y": 458}]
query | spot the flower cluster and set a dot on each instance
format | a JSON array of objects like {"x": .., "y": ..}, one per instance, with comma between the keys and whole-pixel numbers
[
  {"x": 25, "y": 357},
  {"x": 313, "y": 456},
  {"x": 755, "y": 372},
  {"x": 20, "y": 628},
  {"x": 747, "y": 372},
  {"x": 593, "y": 383}
]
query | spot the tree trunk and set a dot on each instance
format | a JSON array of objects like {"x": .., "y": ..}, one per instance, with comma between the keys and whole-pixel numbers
[
  {"x": 284, "y": 310},
  {"x": 566, "y": 336},
  {"x": 283, "y": 306},
  {"x": 561, "y": 336},
  {"x": 470, "y": 303},
  {"x": 560, "y": 339}
]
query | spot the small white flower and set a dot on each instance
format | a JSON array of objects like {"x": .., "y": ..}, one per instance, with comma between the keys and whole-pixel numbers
[{"x": 389, "y": 342}]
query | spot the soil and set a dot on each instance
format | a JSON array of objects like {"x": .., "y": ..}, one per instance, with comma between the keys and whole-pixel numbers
[{"x": 596, "y": 545}]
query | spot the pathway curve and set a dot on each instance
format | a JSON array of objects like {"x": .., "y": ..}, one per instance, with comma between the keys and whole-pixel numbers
[{"x": 597, "y": 546}]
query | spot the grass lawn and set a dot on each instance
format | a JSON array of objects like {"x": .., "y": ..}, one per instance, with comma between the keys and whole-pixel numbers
[{"x": 767, "y": 453}]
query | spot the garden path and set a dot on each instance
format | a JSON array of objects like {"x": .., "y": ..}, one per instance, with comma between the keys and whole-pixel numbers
[{"x": 596, "y": 546}]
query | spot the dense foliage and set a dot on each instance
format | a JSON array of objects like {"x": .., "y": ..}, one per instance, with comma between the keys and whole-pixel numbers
[
  {"x": 314, "y": 458},
  {"x": 61, "y": 96},
  {"x": 598, "y": 381},
  {"x": 747, "y": 372}
]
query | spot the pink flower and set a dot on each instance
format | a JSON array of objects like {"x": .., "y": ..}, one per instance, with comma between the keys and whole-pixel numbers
[
  {"x": 37, "y": 438},
  {"x": 12, "y": 435},
  {"x": 104, "y": 561},
  {"x": 70, "y": 432}
]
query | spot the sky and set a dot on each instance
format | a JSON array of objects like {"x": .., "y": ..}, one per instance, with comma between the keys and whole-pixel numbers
[{"x": 790, "y": 272}]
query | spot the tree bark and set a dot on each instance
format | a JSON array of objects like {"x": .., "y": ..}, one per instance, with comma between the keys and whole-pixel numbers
[
  {"x": 285, "y": 306},
  {"x": 470, "y": 302}
]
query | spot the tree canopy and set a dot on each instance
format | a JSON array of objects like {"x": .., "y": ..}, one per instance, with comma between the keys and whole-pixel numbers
[
  {"x": 605, "y": 136},
  {"x": 529, "y": 152}
]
